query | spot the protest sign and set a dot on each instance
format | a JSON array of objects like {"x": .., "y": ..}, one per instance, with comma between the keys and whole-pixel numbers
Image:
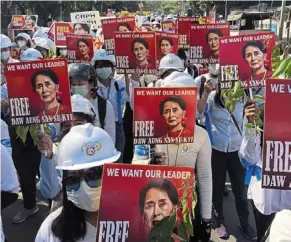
[
  {"x": 184, "y": 24},
  {"x": 135, "y": 52},
  {"x": 81, "y": 28},
  {"x": 212, "y": 16},
  {"x": 24, "y": 22},
  {"x": 88, "y": 17},
  {"x": 169, "y": 26},
  {"x": 171, "y": 119},
  {"x": 58, "y": 31},
  {"x": 246, "y": 58},
  {"x": 39, "y": 92},
  {"x": 202, "y": 70},
  {"x": 80, "y": 48},
  {"x": 204, "y": 44},
  {"x": 109, "y": 26},
  {"x": 277, "y": 135},
  {"x": 166, "y": 43},
  {"x": 141, "y": 189}
]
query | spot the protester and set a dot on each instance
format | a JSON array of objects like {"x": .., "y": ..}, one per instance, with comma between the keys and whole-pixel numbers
[
  {"x": 115, "y": 91},
  {"x": 23, "y": 41},
  {"x": 5, "y": 137},
  {"x": 76, "y": 220},
  {"x": 61, "y": 52},
  {"x": 43, "y": 46},
  {"x": 30, "y": 54},
  {"x": 225, "y": 131},
  {"x": 5, "y": 46}
]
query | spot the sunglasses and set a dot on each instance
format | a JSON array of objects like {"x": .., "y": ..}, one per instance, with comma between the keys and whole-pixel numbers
[{"x": 92, "y": 176}]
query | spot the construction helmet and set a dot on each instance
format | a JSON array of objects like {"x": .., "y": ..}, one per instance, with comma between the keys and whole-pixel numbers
[
  {"x": 30, "y": 55},
  {"x": 5, "y": 42},
  {"x": 82, "y": 105},
  {"x": 171, "y": 62},
  {"x": 101, "y": 55}
]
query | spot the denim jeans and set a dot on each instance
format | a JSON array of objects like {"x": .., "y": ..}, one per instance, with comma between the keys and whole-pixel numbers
[
  {"x": 222, "y": 162},
  {"x": 120, "y": 140}
]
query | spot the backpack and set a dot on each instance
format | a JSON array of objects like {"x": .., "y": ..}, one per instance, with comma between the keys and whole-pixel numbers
[{"x": 102, "y": 104}]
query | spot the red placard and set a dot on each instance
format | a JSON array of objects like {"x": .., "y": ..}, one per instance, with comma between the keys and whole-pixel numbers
[
  {"x": 59, "y": 32},
  {"x": 141, "y": 188},
  {"x": 169, "y": 26},
  {"x": 24, "y": 22},
  {"x": 184, "y": 24},
  {"x": 204, "y": 44},
  {"x": 171, "y": 119},
  {"x": 277, "y": 135},
  {"x": 135, "y": 52},
  {"x": 166, "y": 43},
  {"x": 109, "y": 26},
  {"x": 80, "y": 48},
  {"x": 246, "y": 58},
  {"x": 202, "y": 70},
  {"x": 39, "y": 92}
]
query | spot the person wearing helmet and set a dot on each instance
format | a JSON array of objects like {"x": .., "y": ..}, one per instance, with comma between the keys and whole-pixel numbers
[
  {"x": 115, "y": 91},
  {"x": 42, "y": 45},
  {"x": 61, "y": 52},
  {"x": 30, "y": 55},
  {"x": 82, "y": 154},
  {"x": 83, "y": 81},
  {"x": 196, "y": 155},
  {"x": 23, "y": 41},
  {"x": 224, "y": 128},
  {"x": 191, "y": 69}
]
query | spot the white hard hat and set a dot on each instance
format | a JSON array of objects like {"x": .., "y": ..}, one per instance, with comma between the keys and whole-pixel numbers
[
  {"x": 171, "y": 61},
  {"x": 5, "y": 41},
  {"x": 170, "y": 16},
  {"x": 86, "y": 146},
  {"x": 178, "y": 79},
  {"x": 159, "y": 18},
  {"x": 39, "y": 33},
  {"x": 30, "y": 55},
  {"x": 23, "y": 35},
  {"x": 102, "y": 55},
  {"x": 82, "y": 105},
  {"x": 42, "y": 42}
]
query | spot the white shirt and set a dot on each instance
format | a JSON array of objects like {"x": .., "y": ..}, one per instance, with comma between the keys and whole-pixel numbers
[
  {"x": 267, "y": 201},
  {"x": 226, "y": 137},
  {"x": 45, "y": 234},
  {"x": 109, "y": 122},
  {"x": 9, "y": 180},
  {"x": 281, "y": 227},
  {"x": 110, "y": 94},
  {"x": 5, "y": 137}
]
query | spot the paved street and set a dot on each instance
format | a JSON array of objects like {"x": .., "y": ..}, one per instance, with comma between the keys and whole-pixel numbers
[{"x": 26, "y": 231}]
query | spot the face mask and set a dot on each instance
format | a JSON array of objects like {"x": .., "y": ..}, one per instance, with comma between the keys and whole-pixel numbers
[
  {"x": 21, "y": 43},
  {"x": 104, "y": 73},
  {"x": 85, "y": 197},
  {"x": 81, "y": 90},
  {"x": 63, "y": 52},
  {"x": 5, "y": 55}
]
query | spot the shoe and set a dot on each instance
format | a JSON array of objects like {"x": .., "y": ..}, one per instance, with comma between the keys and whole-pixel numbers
[
  {"x": 221, "y": 232},
  {"x": 249, "y": 233},
  {"x": 24, "y": 214}
]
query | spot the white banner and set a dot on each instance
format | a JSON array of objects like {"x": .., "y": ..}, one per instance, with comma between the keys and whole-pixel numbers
[{"x": 88, "y": 17}]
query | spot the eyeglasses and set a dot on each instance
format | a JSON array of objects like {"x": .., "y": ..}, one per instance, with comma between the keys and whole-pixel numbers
[{"x": 92, "y": 176}]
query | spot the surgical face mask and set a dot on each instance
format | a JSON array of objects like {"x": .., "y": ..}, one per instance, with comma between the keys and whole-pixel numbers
[
  {"x": 103, "y": 73},
  {"x": 63, "y": 52},
  {"x": 5, "y": 55},
  {"x": 85, "y": 197},
  {"x": 21, "y": 43},
  {"x": 81, "y": 90}
]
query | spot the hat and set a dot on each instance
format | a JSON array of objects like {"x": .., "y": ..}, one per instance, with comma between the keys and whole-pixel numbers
[
  {"x": 23, "y": 35},
  {"x": 86, "y": 146},
  {"x": 100, "y": 55},
  {"x": 82, "y": 105},
  {"x": 171, "y": 61},
  {"x": 42, "y": 42},
  {"x": 178, "y": 79},
  {"x": 5, "y": 41},
  {"x": 30, "y": 55}
]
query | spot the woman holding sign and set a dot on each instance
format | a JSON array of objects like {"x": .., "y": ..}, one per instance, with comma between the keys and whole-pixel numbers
[
  {"x": 45, "y": 83},
  {"x": 140, "y": 49}
]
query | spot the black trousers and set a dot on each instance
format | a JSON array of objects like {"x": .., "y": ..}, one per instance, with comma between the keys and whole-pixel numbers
[
  {"x": 263, "y": 222},
  {"x": 7, "y": 198},
  {"x": 128, "y": 132},
  {"x": 229, "y": 162},
  {"x": 27, "y": 166}
]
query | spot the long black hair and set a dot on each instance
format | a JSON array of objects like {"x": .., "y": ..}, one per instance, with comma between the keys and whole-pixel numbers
[{"x": 70, "y": 225}]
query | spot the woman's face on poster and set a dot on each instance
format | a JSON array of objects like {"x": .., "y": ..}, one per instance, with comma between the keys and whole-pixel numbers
[
  {"x": 255, "y": 57},
  {"x": 140, "y": 51},
  {"x": 45, "y": 88},
  {"x": 78, "y": 29},
  {"x": 213, "y": 41},
  {"x": 28, "y": 20},
  {"x": 157, "y": 206},
  {"x": 83, "y": 48},
  {"x": 166, "y": 47},
  {"x": 123, "y": 29},
  {"x": 173, "y": 114}
]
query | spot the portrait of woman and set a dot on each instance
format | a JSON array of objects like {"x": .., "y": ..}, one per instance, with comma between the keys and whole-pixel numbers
[
  {"x": 255, "y": 55},
  {"x": 140, "y": 49},
  {"x": 83, "y": 47},
  {"x": 29, "y": 22},
  {"x": 166, "y": 45},
  {"x": 157, "y": 200},
  {"x": 212, "y": 39},
  {"x": 45, "y": 84},
  {"x": 173, "y": 112},
  {"x": 123, "y": 27},
  {"x": 81, "y": 29}
]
